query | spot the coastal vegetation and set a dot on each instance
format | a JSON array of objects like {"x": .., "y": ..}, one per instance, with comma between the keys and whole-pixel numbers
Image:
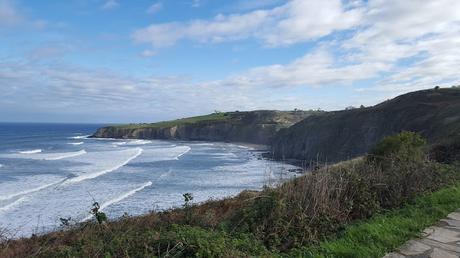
[
  {"x": 216, "y": 116},
  {"x": 360, "y": 208}
]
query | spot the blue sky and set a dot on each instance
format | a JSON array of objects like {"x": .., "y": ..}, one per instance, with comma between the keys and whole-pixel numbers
[{"x": 141, "y": 61}]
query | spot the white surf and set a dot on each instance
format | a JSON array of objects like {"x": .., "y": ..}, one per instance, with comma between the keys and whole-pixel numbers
[
  {"x": 86, "y": 176},
  {"x": 30, "y": 151},
  {"x": 120, "y": 198}
]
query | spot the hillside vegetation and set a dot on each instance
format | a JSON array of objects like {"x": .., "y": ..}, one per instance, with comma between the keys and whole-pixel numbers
[
  {"x": 361, "y": 208},
  {"x": 341, "y": 135},
  {"x": 251, "y": 127}
]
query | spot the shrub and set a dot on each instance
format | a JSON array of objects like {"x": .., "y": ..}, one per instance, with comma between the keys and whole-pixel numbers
[
  {"x": 313, "y": 207},
  {"x": 405, "y": 146},
  {"x": 98, "y": 214},
  {"x": 447, "y": 152}
]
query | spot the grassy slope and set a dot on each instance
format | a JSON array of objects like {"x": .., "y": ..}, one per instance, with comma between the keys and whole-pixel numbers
[
  {"x": 188, "y": 120},
  {"x": 369, "y": 238},
  {"x": 385, "y": 232}
]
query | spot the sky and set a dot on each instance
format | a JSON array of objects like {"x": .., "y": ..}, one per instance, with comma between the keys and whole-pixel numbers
[{"x": 118, "y": 61}]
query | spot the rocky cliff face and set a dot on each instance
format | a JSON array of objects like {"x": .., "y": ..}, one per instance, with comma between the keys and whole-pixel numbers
[
  {"x": 341, "y": 135},
  {"x": 251, "y": 127}
]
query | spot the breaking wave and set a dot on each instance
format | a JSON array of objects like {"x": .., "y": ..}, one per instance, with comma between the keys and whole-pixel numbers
[
  {"x": 11, "y": 205},
  {"x": 243, "y": 147},
  {"x": 29, "y": 191},
  {"x": 75, "y": 143},
  {"x": 187, "y": 149},
  {"x": 80, "y": 137},
  {"x": 204, "y": 144},
  {"x": 120, "y": 198},
  {"x": 38, "y": 155},
  {"x": 102, "y": 172},
  {"x": 165, "y": 175},
  {"x": 139, "y": 142},
  {"x": 31, "y": 151},
  {"x": 66, "y": 155}
]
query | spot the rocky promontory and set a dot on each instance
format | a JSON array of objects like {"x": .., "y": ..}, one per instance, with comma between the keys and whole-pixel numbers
[{"x": 257, "y": 127}]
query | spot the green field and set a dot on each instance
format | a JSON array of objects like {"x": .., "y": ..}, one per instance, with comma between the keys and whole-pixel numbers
[{"x": 182, "y": 121}]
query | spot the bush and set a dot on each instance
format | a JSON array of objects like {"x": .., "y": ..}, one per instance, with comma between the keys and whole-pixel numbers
[
  {"x": 447, "y": 152},
  {"x": 311, "y": 208},
  {"x": 405, "y": 146}
]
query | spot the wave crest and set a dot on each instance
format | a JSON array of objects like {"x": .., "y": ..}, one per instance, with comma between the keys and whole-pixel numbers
[
  {"x": 187, "y": 149},
  {"x": 120, "y": 198},
  {"x": 102, "y": 172},
  {"x": 80, "y": 137},
  {"x": 30, "y": 151},
  {"x": 75, "y": 143},
  {"x": 10, "y": 196},
  {"x": 11, "y": 205},
  {"x": 67, "y": 155}
]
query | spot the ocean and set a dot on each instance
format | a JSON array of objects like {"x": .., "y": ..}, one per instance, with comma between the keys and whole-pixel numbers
[{"x": 53, "y": 171}]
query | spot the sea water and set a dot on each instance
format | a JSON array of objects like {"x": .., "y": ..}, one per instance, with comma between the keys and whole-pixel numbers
[{"x": 53, "y": 171}]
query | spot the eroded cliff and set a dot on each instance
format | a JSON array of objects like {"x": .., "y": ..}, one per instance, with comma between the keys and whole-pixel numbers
[
  {"x": 252, "y": 127},
  {"x": 341, "y": 135}
]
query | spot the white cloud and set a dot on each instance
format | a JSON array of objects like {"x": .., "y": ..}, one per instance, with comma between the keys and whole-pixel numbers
[
  {"x": 393, "y": 46},
  {"x": 196, "y": 3},
  {"x": 294, "y": 22},
  {"x": 154, "y": 8},
  {"x": 9, "y": 15},
  {"x": 148, "y": 53},
  {"x": 312, "y": 70},
  {"x": 424, "y": 35},
  {"x": 244, "y": 5},
  {"x": 110, "y": 4}
]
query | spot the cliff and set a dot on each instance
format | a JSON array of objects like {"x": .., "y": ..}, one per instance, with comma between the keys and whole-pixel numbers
[
  {"x": 341, "y": 135},
  {"x": 252, "y": 127}
]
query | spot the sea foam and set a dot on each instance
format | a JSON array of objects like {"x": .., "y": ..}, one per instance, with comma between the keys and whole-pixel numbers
[
  {"x": 31, "y": 151},
  {"x": 29, "y": 191},
  {"x": 38, "y": 155},
  {"x": 86, "y": 176},
  {"x": 66, "y": 155},
  {"x": 80, "y": 137},
  {"x": 75, "y": 143},
  {"x": 120, "y": 198},
  {"x": 138, "y": 142},
  {"x": 12, "y": 205},
  {"x": 186, "y": 149}
]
